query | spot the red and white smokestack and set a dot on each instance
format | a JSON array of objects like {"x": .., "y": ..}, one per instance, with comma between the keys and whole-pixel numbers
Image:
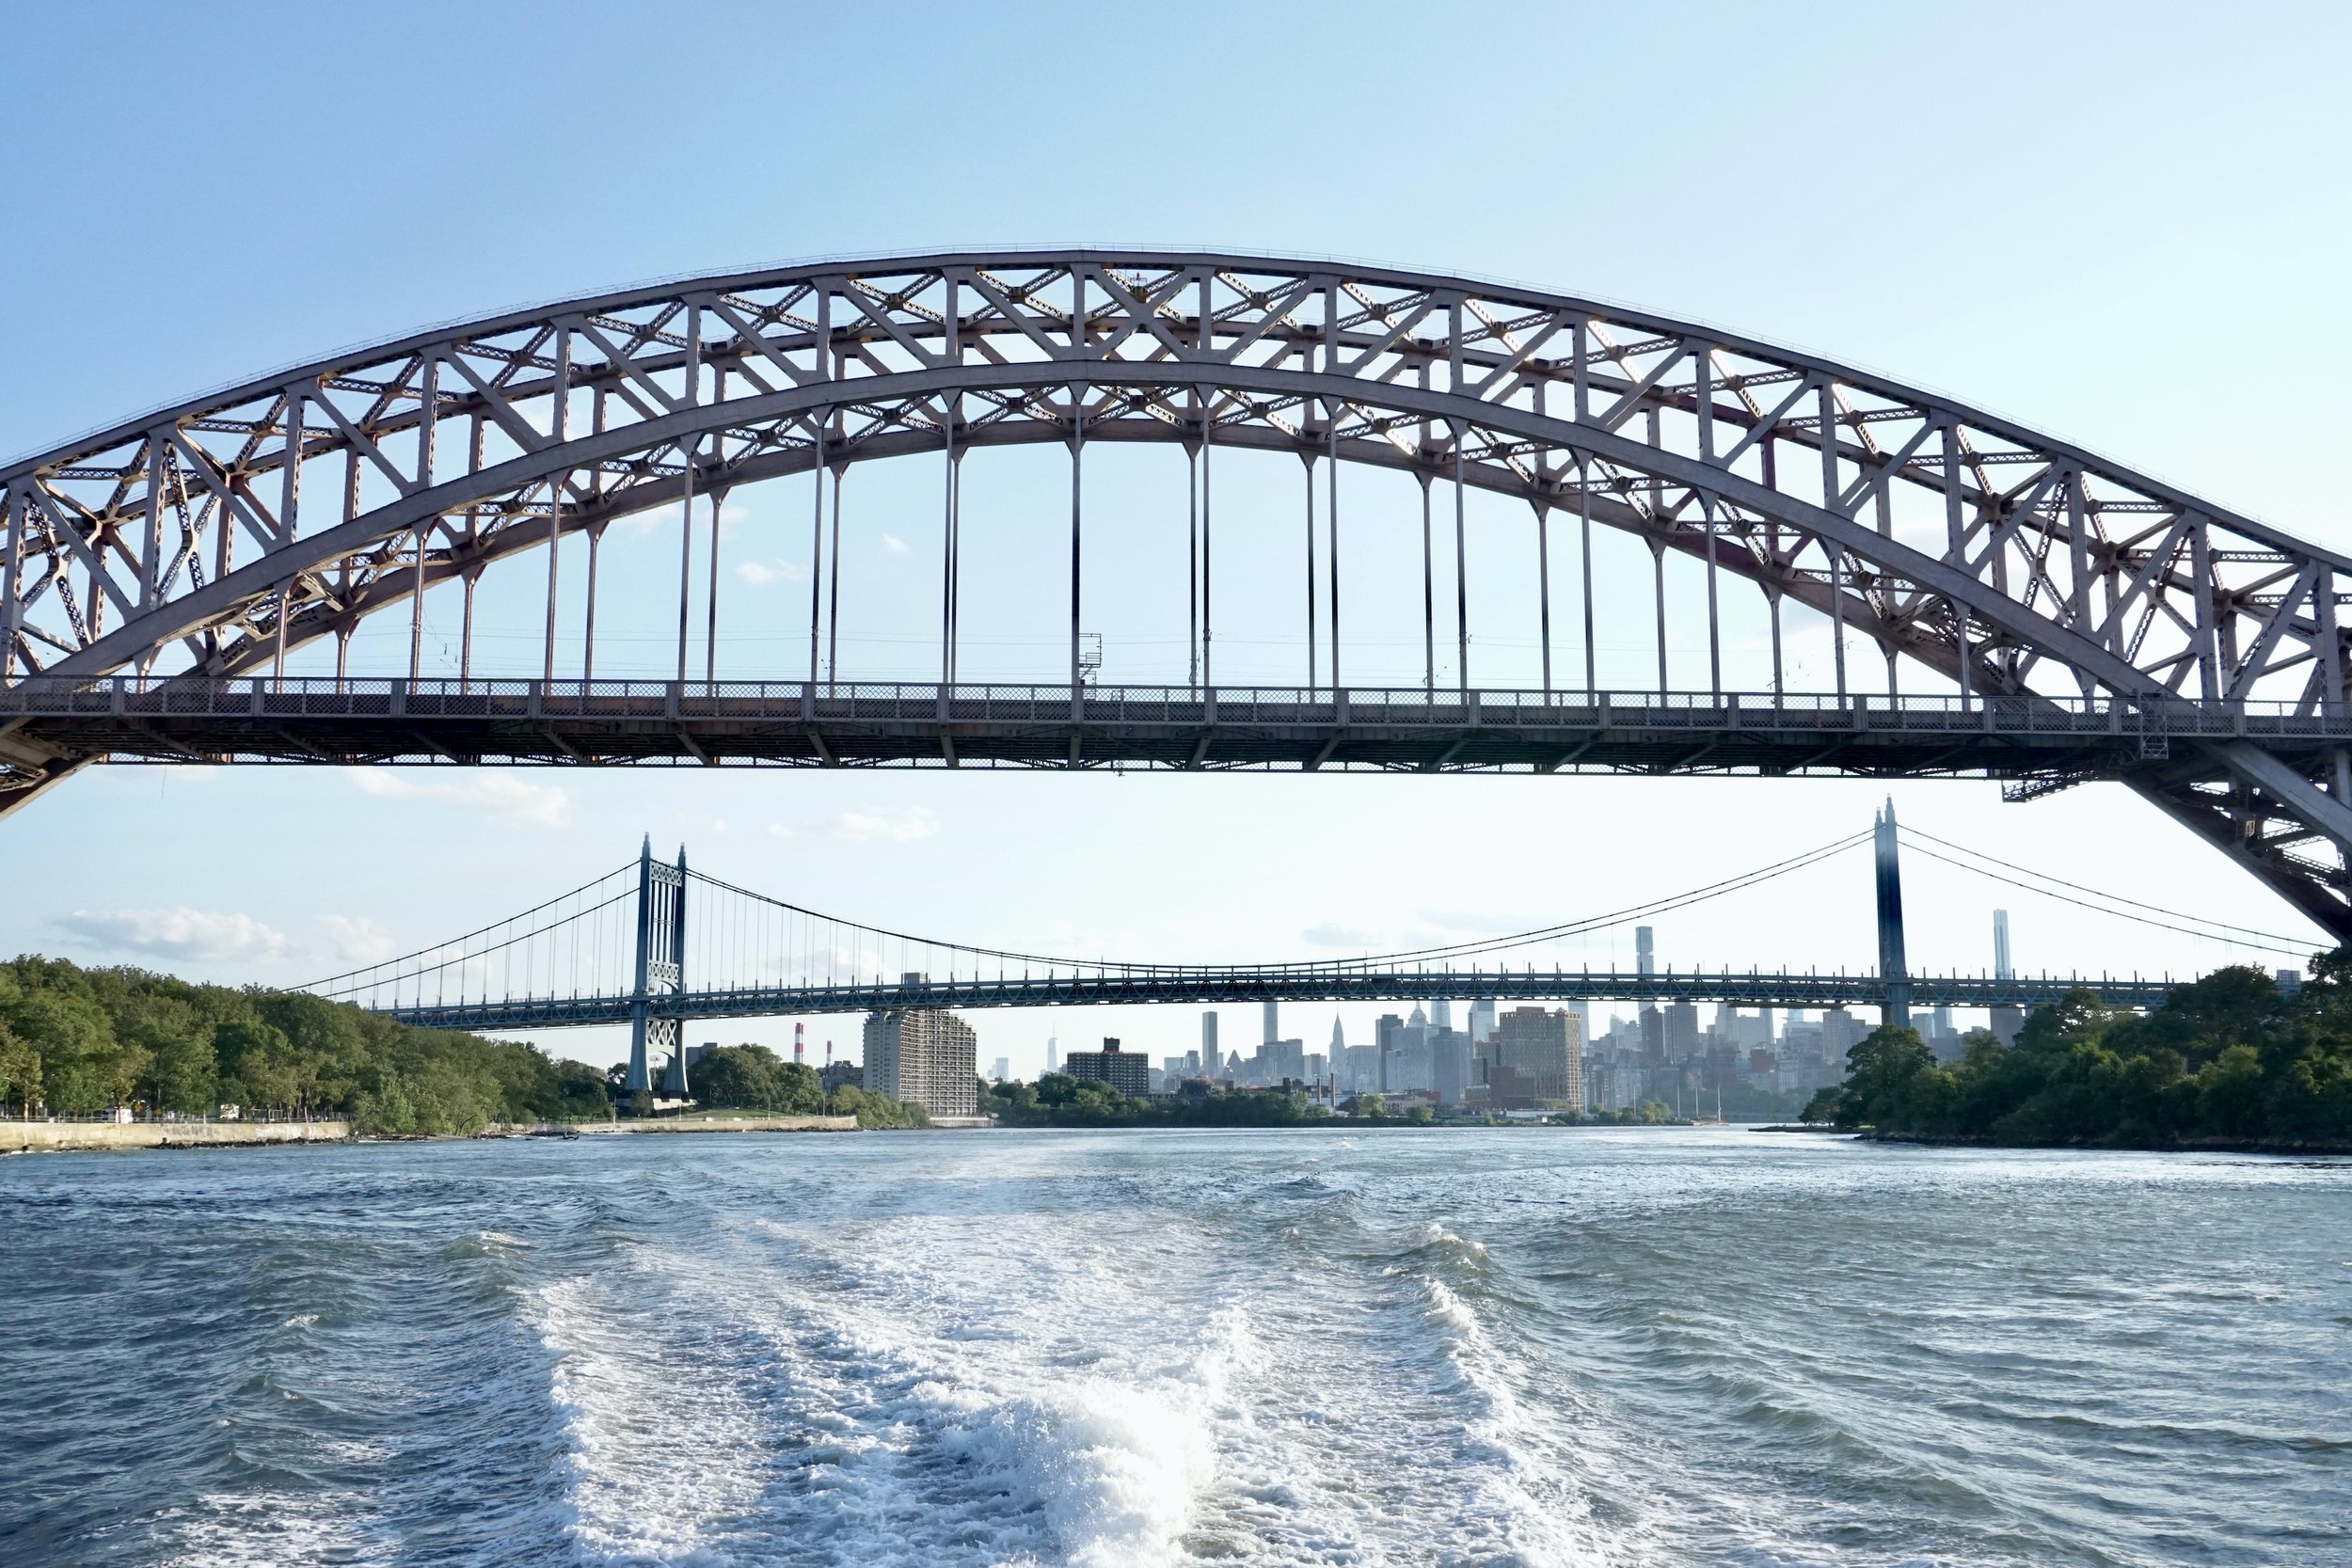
[{"x": 800, "y": 1053}]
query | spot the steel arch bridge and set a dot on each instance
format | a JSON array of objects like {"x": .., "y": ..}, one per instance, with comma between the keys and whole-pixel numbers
[{"x": 2073, "y": 618}]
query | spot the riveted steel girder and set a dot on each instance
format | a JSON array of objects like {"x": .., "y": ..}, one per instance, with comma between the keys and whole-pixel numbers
[{"x": 206, "y": 539}]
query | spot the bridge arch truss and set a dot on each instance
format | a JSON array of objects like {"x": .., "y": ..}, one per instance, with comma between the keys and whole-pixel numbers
[{"x": 205, "y": 541}]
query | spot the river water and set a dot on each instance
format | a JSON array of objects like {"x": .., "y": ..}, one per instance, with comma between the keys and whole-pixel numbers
[{"x": 1507, "y": 1347}]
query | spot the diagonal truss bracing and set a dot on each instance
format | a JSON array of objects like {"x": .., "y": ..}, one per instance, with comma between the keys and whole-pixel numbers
[{"x": 209, "y": 539}]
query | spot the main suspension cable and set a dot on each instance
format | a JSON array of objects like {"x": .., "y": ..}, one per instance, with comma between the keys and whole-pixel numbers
[
  {"x": 1452, "y": 950},
  {"x": 2293, "y": 944},
  {"x": 2257, "y": 944}
]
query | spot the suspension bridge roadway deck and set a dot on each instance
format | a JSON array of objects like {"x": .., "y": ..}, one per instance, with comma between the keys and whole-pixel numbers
[
  {"x": 559, "y": 722},
  {"x": 1753, "y": 989}
]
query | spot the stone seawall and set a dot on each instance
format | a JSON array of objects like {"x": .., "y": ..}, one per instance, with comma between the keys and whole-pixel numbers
[{"x": 18, "y": 1137}]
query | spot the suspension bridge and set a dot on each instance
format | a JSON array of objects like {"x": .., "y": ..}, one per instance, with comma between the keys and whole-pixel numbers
[
  {"x": 226, "y": 579},
  {"x": 656, "y": 944}
]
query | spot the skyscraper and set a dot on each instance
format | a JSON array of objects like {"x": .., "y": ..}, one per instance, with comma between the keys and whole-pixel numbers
[
  {"x": 1537, "y": 1058},
  {"x": 1211, "y": 1063},
  {"x": 1645, "y": 951},
  {"x": 1682, "y": 1029},
  {"x": 1441, "y": 1015},
  {"x": 2006, "y": 1022},
  {"x": 1482, "y": 1020},
  {"x": 1053, "y": 1054},
  {"x": 1273, "y": 1022},
  {"x": 1339, "y": 1039}
]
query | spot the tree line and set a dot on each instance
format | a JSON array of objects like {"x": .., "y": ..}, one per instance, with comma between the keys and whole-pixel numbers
[
  {"x": 754, "y": 1078},
  {"x": 1058, "y": 1099},
  {"x": 2230, "y": 1059},
  {"x": 75, "y": 1041}
]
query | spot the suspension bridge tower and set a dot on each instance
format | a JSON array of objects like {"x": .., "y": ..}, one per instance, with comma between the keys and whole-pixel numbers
[
  {"x": 1897, "y": 1011},
  {"x": 655, "y": 1022}
]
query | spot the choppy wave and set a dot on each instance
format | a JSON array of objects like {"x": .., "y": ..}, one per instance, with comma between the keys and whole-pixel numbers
[{"x": 1521, "y": 1348}]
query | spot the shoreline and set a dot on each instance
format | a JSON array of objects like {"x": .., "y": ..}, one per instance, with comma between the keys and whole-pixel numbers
[
  {"x": 2282, "y": 1148},
  {"x": 106, "y": 1137},
  {"x": 86, "y": 1137}
]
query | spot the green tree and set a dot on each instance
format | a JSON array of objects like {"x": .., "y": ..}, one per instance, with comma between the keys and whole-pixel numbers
[
  {"x": 877, "y": 1110},
  {"x": 1879, "y": 1073},
  {"x": 255, "y": 1072},
  {"x": 752, "y": 1077},
  {"x": 182, "y": 1072},
  {"x": 82, "y": 1067},
  {"x": 20, "y": 1069}
]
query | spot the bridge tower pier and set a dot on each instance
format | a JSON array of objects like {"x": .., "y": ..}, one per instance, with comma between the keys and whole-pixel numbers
[
  {"x": 655, "y": 1027},
  {"x": 1896, "y": 1009}
]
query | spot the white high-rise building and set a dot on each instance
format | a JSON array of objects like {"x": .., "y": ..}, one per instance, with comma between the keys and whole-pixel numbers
[
  {"x": 1053, "y": 1054},
  {"x": 1482, "y": 1022},
  {"x": 2005, "y": 1020},
  {"x": 923, "y": 1056},
  {"x": 1273, "y": 1023},
  {"x": 1441, "y": 1015},
  {"x": 1211, "y": 1063}
]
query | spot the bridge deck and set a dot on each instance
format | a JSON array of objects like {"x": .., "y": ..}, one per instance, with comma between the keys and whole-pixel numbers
[
  {"x": 392, "y": 720},
  {"x": 1751, "y": 989}
]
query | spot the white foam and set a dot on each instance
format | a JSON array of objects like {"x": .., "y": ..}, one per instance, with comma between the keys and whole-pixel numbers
[{"x": 655, "y": 1453}]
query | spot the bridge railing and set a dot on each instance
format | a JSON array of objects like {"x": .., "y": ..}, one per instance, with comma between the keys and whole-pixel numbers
[{"x": 863, "y": 702}]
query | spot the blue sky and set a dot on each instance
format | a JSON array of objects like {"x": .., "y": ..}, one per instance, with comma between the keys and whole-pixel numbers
[{"x": 2123, "y": 224}]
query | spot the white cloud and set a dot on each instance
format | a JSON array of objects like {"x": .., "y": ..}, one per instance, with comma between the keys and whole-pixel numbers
[
  {"x": 178, "y": 933},
  {"x": 767, "y": 574},
  {"x": 896, "y": 546},
  {"x": 1336, "y": 936},
  {"x": 356, "y": 939},
  {"x": 896, "y": 823},
  {"x": 652, "y": 520},
  {"x": 497, "y": 794}
]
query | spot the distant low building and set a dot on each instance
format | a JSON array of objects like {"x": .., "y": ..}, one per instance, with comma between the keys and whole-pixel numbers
[
  {"x": 923, "y": 1056},
  {"x": 1128, "y": 1071}
]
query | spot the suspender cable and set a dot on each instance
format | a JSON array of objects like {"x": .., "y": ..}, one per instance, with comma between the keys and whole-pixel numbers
[
  {"x": 832, "y": 606},
  {"x": 1428, "y": 600},
  {"x": 1310, "y": 462},
  {"x": 710, "y": 626},
  {"x": 1208, "y": 678},
  {"x": 1584, "y": 556},
  {"x": 1192, "y": 567},
  {"x": 1461, "y": 566},
  {"x": 1543, "y": 588},
  {"x": 1333, "y": 523},
  {"x": 588, "y": 631},
  {"x": 686, "y": 562},
  {"x": 817, "y": 545},
  {"x": 1077, "y": 483}
]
